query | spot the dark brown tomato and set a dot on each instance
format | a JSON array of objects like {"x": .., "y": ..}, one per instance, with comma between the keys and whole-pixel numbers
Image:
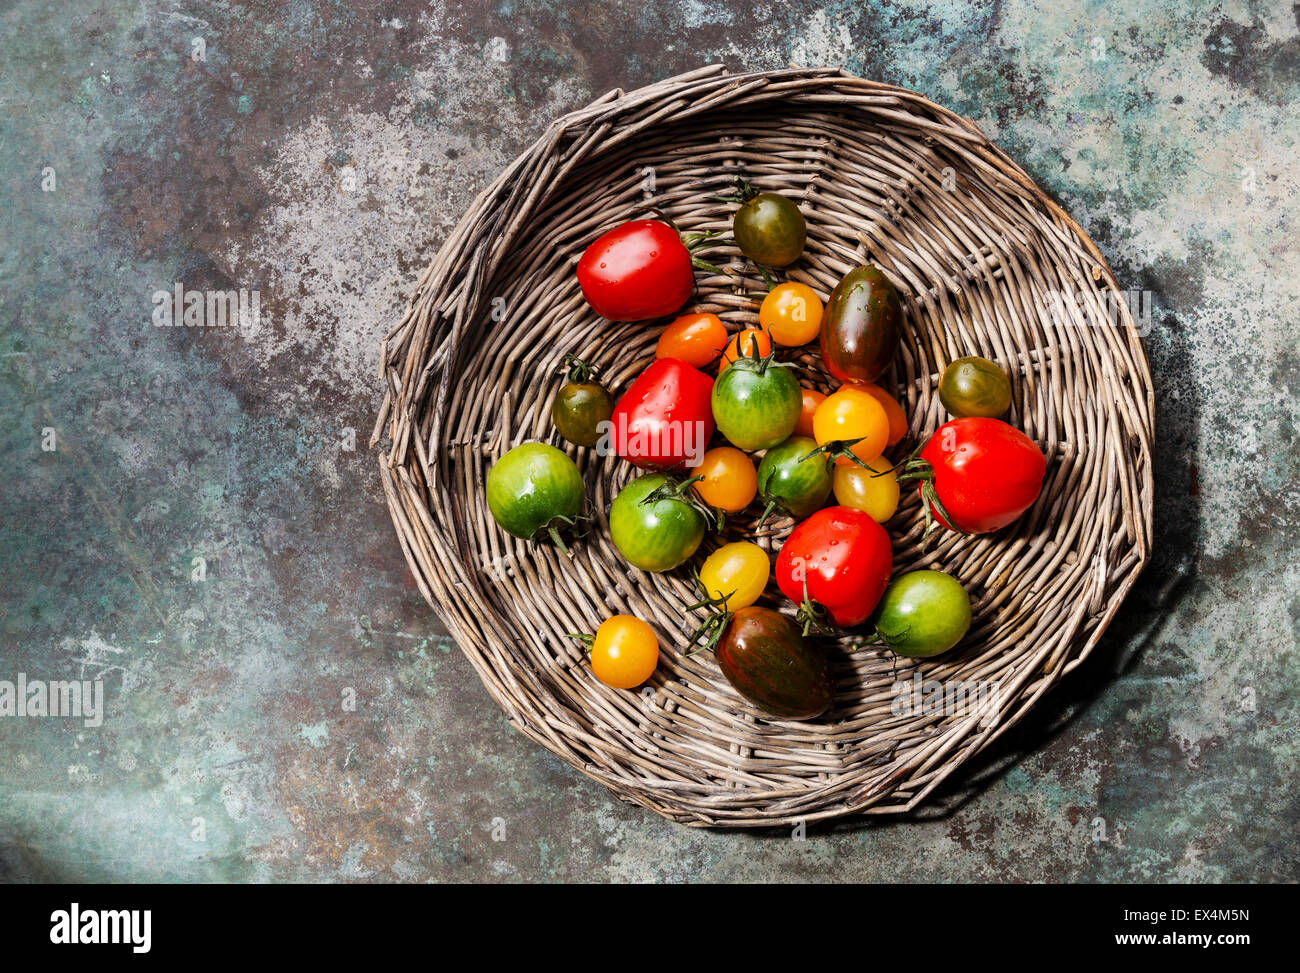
[{"x": 861, "y": 326}]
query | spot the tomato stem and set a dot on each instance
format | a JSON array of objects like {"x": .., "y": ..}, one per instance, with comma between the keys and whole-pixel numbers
[
  {"x": 579, "y": 371},
  {"x": 836, "y": 448}
]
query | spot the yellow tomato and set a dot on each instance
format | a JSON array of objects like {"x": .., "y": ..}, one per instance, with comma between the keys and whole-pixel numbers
[
  {"x": 738, "y": 571},
  {"x": 852, "y": 416},
  {"x": 873, "y": 491},
  {"x": 792, "y": 312},
  {"x": 730, "y": 480},
  {"x": 625, "y": 652}
]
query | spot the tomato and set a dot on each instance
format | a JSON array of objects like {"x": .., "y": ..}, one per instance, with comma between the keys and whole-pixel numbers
[
  {"x": 738, "y": 572},
  {"x": 811, "y": 399},
  {"x": 581, "y": 405},
  {"x": 975, "y": 387},
  {"x": 851, "y": 425},
  {"x": 769, "y": 228},
  {"x": 977, "y": 474},
  {"x": 793, "y": 480},
  {"x": 535, "y": 490},
  {"x": 837, "y": 561},
  {"x": 769, "y": 661},
  {"x": 862, "y": 326},
  {"x": 635, "y": 271},
  {"x": 873, "y": 490},
  {"x": 730, "y": 481},
  {"x": 652, "y": 525},
  {"x": 893, "y": 412},
  {"x": 664, "y": 420},
  {"x": 792, "y": 314},
  {"x": 697, "y": 339},
  {"x": 923, "y": 614},
  {"x": 625, "y": 652},
  {"x": 756, "y": 403},
  {"x": 744, "y": 345}
]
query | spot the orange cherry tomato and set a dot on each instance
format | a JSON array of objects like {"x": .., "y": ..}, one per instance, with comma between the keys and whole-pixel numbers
[
  {"x": 730, "y": 480},
  {"x": 742, "y": 346},
  {"x": 792, "y": 312},
  {"x": 697, "y": 339},
  {"x": 807, "y": 409},
  {"x": 625, "y": 652},
  {"x": 894, "y": 412},
  {"x": 852, "y": 413}
]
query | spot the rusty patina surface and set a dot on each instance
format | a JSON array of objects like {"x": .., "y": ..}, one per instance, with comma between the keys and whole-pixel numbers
[{"x": 205, "y": 536}]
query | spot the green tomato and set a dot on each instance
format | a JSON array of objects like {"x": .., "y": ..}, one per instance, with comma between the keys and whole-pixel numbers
[
  {"x": 975, "y": 387},
  {"x": 769, "y": 229},
  {"x": 796, "y": 484},
  {"x": 923, "y": 614},
  {"x": 581, "y": 405},
  {"x": 756, "y": 403},
  {"x": 535, "y": 489},
  {"x": 652, "y": 525}
]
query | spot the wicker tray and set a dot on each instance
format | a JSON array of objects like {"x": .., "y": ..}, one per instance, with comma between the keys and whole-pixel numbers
[{"x": 987, "y": 264}]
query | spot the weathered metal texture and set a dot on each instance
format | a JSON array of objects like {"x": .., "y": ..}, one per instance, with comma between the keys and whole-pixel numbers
[{"x": 295, "y": 160}]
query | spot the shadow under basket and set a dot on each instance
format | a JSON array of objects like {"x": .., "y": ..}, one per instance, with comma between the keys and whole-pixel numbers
[{"x": 986, "y": 264}]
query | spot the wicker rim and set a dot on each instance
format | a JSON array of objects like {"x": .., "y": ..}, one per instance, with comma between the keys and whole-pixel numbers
[{"x": 882, "y": 174}]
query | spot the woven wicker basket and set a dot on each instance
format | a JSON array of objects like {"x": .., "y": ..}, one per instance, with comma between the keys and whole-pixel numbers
[{"x": 986, "y": 263}]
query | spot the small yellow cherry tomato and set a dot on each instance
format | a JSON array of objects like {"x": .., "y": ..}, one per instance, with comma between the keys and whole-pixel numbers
[
  {"x": 897, "y": 417},
  {"x": 852, "y": 416},
  {"x": 742, "y": 345},
  {"x": 625, "y": 652},
  {"x": 738, "y": 571},
  {"x": 730, "y": 480},
  {"x": 873, "y": 491},
  {"x": 792, "y": 312}
]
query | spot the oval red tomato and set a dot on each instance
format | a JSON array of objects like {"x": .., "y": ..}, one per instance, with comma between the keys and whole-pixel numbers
[
  {"x": 984, "y": 472},
  {"x": 638, "y": 270},
  {"x": 846, "y": 559},
  {"x": 665, "y": 418}
]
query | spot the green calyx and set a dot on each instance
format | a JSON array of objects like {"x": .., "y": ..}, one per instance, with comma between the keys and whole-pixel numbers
[
  {"x": 915, "y": 469},
  {"x": 579, "y": 372}
]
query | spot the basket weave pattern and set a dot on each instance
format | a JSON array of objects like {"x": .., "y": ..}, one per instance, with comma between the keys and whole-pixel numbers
[{"x": 986, "y": 264}]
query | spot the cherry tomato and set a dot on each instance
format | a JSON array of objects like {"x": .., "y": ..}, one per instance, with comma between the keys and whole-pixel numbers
[
  {"x": 638, "y": 270},
  {"x": 853, "y": 419},
  {"x": 793, "y": 480},
  {"x": 984, "y": 472},
  {"x": 975, "y": 387},
  {"x": 665, "y": 418},
  {"x": 625, "y": 652},
  {"x": 873, "y": 491},
  {"x": 768, "y": 227},
  {"x": 807, "y": 409},
  {"x": 581, "y": 405},
  {"x": 923, "y": 614},
  {"x": 756, "y": 403},
  {"x": 742, "y": 345},
  {"x": 697, "y": 339},
  {"x": 737, "y": 571},
  {"x": 792, "y": 313},
  {"x": 653, "y": 525},
  {"x": 838, "y": 560},
  {"x": 730, "y": 480},
  {"x": 534, "y": 491},
  {"x": 862, "y": 326},
  {"x": 893, "y": 411}
]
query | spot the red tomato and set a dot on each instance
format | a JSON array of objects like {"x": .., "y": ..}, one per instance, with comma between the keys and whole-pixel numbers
[
  {"x": 845, "y": 557},
  {"x": 636, "y": 271},
  {"x": 665, "y": 418},
  {"x": 984, "y": 472}
]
